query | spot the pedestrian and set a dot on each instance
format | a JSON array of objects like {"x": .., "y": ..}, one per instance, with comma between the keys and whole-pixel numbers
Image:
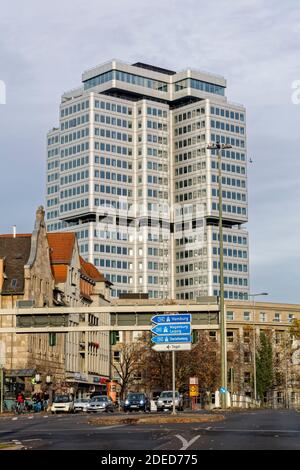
[
  {"x": 20, "y": 402},
  {"x": 46, "y": 401},
  {"x": 38, "y": 404}
]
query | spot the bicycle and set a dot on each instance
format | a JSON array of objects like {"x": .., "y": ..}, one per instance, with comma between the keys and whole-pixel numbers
[
  {"x": 19, "y": 408},
  {"x": 5, "y": 407}
]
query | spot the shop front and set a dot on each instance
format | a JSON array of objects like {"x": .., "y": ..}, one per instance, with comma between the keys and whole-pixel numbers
[
  {"x": 16, "y": 381},
  {"x": 85, "y": 385}
]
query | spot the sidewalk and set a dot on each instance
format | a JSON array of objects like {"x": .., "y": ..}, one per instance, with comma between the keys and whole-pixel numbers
[
  {"x": 12, "y": 414},
  {"x": 10, "y": 446}
]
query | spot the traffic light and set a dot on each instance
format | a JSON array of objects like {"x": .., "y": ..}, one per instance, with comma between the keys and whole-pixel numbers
[
  {"x": 52, "y": 339},
  {"x": 194, "y": 336},
  {"x": 113, "y": 338}
]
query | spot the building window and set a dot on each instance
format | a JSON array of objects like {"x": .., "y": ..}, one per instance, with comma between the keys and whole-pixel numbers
[
  {"x": 262, "y": 317},
  {"x": 246, "y": 336},
  {"x": 290, "y": 317},
  {"x": 137, "y": 335},
  {"x": 230, "y": 336},
  {"x": 247, "y": 377},
  {"x": 247, "y": 316},
  {"x": 213, "y": 336},
  {"x": 277, "y": 317},
  {"x": 137, "y": 376},
  {"x": 117, "y": 356},
  {"x": 230, "y": 356},
  {"x": 247, "y": 357},
  {"x": 278, "y": 337},
  {"x": 229, "y": 316}
]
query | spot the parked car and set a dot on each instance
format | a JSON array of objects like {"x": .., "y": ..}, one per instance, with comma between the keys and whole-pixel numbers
[
  {"x": 62, "y": 403},
  {"x": 155, "y": 396},
  {"x": 81, "y": 404},
  {"x": 100, "y": 403},
  {"x": 137, "y": 402},
  {"x": 165, "y": 401}
]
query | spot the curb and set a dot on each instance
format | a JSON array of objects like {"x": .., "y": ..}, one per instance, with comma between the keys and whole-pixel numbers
[
  {"x": 156, "y": 420},
  {"x": 12, "y": 447}
]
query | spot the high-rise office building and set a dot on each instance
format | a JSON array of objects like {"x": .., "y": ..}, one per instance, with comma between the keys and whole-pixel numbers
[{"x": 130, "y": 172}]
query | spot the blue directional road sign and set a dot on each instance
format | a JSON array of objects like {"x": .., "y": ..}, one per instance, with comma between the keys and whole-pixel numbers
[
  {"x": 223, "y": 390},
  {"x": 172, "y": 318},
  {"x": 172, "y": 329},
  {"x": 171, "y": 339}
]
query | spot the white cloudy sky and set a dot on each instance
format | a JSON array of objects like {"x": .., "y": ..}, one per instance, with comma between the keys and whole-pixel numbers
[{"x": 45, "y": 46}]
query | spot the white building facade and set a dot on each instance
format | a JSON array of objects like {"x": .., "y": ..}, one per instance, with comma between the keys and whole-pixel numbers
[{"x": 130, "y": 172}]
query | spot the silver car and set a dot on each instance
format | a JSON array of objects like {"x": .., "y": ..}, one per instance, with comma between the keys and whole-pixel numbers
[
  {"x": 100, "y": 403},
  {"x": 81, "y": 404},
  {"x": 165, "y": 401}
]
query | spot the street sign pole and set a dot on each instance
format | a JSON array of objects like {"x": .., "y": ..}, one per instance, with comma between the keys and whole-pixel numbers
[
  {"x": 2, "y": 363},
  {"x": 171, "y": 333},
  {"x": 2, "y": 387},
  {"x": 174, "y": 382}
]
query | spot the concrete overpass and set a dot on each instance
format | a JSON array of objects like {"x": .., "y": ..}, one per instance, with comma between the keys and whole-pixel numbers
[{"x": 123, "y": 316}]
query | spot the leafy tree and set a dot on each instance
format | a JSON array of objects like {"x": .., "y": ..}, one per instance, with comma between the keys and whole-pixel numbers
[
  {"x": 295, "y": 328},
  {"x": 264, "y": 366},
  {"x": 202, "y": 362}
]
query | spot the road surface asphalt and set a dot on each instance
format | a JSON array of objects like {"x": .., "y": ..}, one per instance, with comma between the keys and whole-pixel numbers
[{"x": 250, "y": 429}]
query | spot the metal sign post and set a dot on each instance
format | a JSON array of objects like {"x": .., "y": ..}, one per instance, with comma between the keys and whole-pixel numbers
[
  {"x": 170, "y": 333},
  {"x": 2, "y": 363},
  {"x": 2, "y": 388},
  {"x": 193, "y": 390}
]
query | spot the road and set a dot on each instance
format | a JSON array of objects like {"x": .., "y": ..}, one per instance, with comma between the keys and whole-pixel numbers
[{"x": 253, "y": 429}]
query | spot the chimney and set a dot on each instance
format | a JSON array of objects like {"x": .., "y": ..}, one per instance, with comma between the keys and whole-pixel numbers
[
  {"x": 14, "y": 231},
  {"x": 39, "y": 216}
]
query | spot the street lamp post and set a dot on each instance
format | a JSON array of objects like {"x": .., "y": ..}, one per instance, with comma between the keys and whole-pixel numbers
[
  {"x": 254, "y": 341},
  {"x": 49, "y": 388},
  {"x": 219, "y": 147}
]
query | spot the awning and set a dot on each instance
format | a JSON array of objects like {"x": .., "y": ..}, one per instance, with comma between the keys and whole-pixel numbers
[{"x": 20, "y": 372}]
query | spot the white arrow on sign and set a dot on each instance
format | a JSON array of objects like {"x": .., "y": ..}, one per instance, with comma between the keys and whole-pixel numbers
[{"x": 172, "y": 347}]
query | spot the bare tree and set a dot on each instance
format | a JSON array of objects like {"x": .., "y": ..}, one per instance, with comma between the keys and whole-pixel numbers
[
  {"x": 128, "y": 365},
  {"x": 154, "y": 367}
]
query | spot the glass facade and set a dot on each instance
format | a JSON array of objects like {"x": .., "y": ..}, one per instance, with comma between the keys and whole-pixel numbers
[
  {"x": 117, "y": 166},
  {"x": 127, "y": 78},
  {"x": 199, "y": 85}
]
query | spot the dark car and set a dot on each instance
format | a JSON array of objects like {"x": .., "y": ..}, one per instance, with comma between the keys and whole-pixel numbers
[
  {"x": 137, "y": 402},
  {"x": 100, "y": 403}
]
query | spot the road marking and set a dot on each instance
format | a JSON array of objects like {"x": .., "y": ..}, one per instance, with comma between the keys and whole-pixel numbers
[
  {"x": 14, "y": 419},
  {"x": 30, "y": 440},
  {"x": 186, "y": 444},
  {"x": 107, "y": 427},
  {"x": 62, "y": 430},
  {"x": 223, "y": 429},
  {"x": 30, "y": 417}
]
